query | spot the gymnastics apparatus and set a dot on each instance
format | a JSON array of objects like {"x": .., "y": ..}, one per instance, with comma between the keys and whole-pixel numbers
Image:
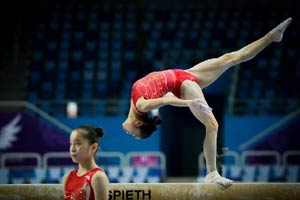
[{"x": 161, "y": 191}]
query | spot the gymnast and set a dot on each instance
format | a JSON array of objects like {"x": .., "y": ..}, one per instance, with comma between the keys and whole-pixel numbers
[
  {"x": 183, "y": 88},
  {"x": 88, "y": 181}
]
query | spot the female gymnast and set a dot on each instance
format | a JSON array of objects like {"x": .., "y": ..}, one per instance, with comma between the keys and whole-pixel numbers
[
  {"x": 184, "y": 88},
  {"x": 88, "y": 181}
]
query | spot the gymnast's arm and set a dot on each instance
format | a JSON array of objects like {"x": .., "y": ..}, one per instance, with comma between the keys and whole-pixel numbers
[
  {"x": 146, "y": 105},
  {"x": 100, "y": 185}
]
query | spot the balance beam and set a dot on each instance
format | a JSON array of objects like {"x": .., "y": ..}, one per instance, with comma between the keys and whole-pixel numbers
[{"x": 161, "y": 191}]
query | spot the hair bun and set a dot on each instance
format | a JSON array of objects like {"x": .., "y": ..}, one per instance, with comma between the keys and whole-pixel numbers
[
  {"x": 156, "y": 120},
  {"x": 99, "y": 131}
]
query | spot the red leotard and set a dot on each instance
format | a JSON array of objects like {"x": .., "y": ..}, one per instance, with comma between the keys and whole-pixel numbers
[
  {"x": 157, "y": 84},
  {"x": 80, "y": 187}
]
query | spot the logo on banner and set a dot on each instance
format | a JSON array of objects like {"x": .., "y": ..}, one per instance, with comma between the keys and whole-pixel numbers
[
  {"x": 130, "y": 194},
  {"x": 8, "y": 133}
]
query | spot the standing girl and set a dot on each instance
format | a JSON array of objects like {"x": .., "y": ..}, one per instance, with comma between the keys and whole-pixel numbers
[{"x": 88, "y": 182}]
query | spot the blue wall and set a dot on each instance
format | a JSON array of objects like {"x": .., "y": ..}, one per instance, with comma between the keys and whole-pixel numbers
[
  {"x": 115, "y": 139},
  {"x": 239, "y": 129}
]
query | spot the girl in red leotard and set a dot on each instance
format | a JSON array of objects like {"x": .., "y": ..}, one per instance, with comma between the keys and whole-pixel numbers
[
  {"x": 88, "y": 181},
  {"x": 184, "y": 88}
]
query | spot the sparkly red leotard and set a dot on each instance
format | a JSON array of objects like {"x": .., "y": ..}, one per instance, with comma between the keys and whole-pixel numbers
[
  {"x": 80, "y": 187},
  {"x": 157, "y": 84}
]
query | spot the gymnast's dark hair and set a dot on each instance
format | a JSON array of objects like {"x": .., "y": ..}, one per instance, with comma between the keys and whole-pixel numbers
[
  {"x": 91, "y": 134},
  {"x": 149, "y": 126}
]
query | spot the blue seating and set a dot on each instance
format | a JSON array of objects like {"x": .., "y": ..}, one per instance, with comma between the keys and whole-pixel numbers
[
  {"x": 88, "y": 75},
  {"x": 87, "y": 91},
  {"x": 37, "y": 55},
  {"x": 292, "y": 172},
  {"x": 100, "y": 90},
  {"x": 100, "y": 107},
  {"x": 45, "y": 106},
  {"x": 32, "y": 96},
  {"x": 277, "y": 174},
  {"x": 35, "y": 77},
  {"x": 235, "y": 172},
  {"x": 74, "y": 76},
  {"x": 104, "y": 41},
  {"x": 63, "y": 63},
  {"x": 77, "y": 55},
  {"x": 4, "y": 174},
  {"x": 50, "y": 65},
  {"x": 58, "y": 108}
]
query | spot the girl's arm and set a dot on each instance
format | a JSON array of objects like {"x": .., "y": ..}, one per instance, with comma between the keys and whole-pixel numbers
[
  {"x": 64, "y": 180},
  {"x": 100, "y": 185},
  {"x": 146, "y": 105}
]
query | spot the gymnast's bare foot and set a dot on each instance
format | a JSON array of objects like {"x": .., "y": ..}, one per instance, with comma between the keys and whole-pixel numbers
[
  {"x": 278, "y": 31},
  {"x": 214, "y": 177}
]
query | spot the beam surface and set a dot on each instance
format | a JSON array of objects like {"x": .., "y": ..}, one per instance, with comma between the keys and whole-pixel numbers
[{"x": 161, "y": 191}]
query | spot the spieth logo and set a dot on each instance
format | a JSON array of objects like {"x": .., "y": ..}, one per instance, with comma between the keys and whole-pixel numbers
[
  {"x": 8, "y": 133},
  {"x": 130, "y": 194}
]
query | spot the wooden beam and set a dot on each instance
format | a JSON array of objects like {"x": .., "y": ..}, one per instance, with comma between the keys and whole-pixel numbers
[{"x": 161, "y": 191}]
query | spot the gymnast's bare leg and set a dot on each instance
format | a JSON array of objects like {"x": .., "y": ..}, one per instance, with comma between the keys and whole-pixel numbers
[
  {"x": 209, "y": 70},
  {"x": 201, "y": 110}
]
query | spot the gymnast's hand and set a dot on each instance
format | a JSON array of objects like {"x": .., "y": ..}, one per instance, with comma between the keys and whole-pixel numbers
[
  {"x": 171, "y": 99},
  {"x": 199, "y": 104}
]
